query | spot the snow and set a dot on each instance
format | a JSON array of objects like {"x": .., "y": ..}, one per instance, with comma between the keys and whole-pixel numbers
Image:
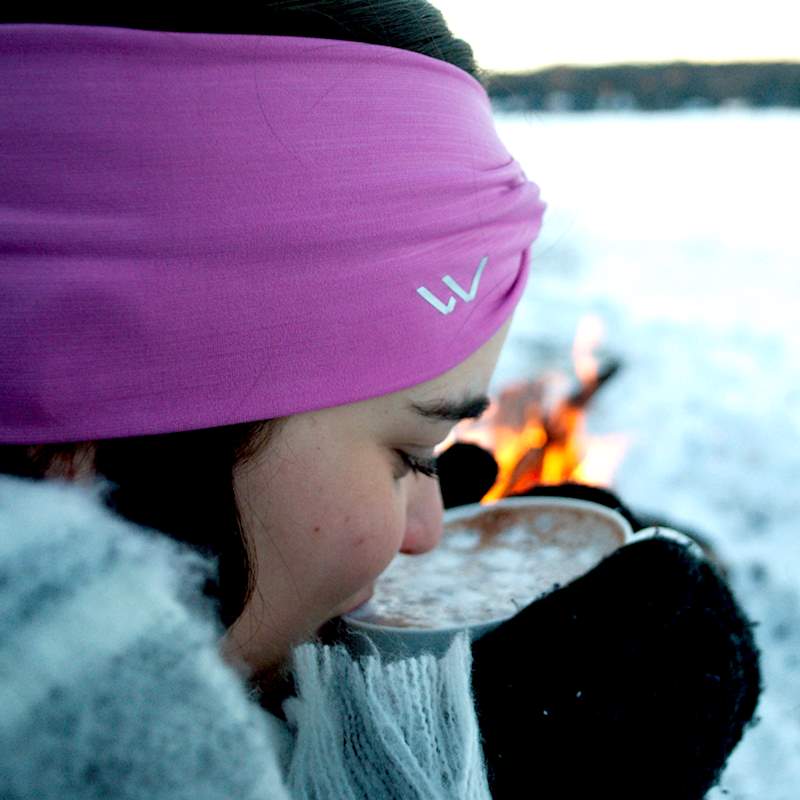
[{"x": 679, "y": 230}]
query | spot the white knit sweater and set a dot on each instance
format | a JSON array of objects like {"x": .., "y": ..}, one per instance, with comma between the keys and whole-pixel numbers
[{"x": 111, "y": 685}]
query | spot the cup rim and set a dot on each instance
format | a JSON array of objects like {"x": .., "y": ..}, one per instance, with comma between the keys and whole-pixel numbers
[
  {"x": 466, "y": 511},
  {"x": 452, "y": 514}
]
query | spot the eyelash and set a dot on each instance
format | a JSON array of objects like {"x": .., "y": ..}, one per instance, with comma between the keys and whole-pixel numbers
[{"x": 422, "y": 466}]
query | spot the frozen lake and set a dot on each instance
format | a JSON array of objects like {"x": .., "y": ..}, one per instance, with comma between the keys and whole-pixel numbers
[{"x": 680, "y": 231}]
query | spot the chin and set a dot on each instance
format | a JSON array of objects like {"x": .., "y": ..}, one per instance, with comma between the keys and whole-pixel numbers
[{"x": 357, "y": 600}]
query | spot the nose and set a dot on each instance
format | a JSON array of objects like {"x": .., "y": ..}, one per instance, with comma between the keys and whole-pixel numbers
[{"x": 423, "y": 516}]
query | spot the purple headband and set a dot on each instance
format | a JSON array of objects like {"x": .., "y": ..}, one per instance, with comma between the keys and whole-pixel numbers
[{"x": 205, "y": 229}]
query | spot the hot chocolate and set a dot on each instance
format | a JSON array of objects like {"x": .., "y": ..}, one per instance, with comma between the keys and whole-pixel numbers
[{"x": 491, "y": 562}]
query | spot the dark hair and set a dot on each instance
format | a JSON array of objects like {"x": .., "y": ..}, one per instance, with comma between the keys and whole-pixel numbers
[{"x": 182, "y": 483}]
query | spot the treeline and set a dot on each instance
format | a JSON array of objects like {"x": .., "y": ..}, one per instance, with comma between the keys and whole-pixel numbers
[{"x": 649, "y": 87}]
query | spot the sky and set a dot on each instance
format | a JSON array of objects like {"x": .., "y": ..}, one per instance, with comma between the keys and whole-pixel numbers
[{"x": 519, "y": 35}]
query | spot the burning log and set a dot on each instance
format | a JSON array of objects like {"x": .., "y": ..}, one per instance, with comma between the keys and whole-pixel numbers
[
  {"x": 583, "y": 393},
  {"x": 560, "y": 425}
]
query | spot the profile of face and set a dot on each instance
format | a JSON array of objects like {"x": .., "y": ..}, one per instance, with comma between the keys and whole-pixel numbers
[{"x": 330, "y": 500}]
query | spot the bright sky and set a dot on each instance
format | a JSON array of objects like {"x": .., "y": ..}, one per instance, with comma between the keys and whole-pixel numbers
[{"x": 516, "y": 35}]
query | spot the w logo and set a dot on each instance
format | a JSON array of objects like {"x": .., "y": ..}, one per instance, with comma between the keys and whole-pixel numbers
[{"x": 454, "y": 286}]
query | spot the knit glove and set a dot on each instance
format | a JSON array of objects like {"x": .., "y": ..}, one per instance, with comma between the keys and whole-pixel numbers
[{"x": 636, "y": 680}]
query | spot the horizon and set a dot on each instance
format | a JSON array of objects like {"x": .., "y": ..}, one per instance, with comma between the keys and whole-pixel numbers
[
  {"x": 511, "y": 37},
  {"x": 671, "y": 62}
]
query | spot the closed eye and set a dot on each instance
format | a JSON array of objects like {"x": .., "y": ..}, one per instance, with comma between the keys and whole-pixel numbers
[{"x": 423, "y": 466}]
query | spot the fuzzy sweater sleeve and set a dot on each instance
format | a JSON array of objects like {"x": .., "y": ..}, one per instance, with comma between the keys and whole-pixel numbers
[
  {"x": 111, "y": 684},
  {"x": 110, "y": 681}
]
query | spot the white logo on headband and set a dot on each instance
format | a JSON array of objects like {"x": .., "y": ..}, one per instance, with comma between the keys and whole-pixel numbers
[{"x": 453, "y": 285}]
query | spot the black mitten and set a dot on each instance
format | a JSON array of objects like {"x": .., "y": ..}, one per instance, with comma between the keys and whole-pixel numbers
[{"x": 636, "y": 680}]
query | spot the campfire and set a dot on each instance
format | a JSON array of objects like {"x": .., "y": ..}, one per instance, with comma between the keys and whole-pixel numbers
[
  {"x": 533, "y": 440},
  {"x": 536, "y": 429}
]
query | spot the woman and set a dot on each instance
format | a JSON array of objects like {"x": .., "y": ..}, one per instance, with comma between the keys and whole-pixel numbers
[
  {"x": 253, "y": 342},
  {"x": 251, "y": 282}
]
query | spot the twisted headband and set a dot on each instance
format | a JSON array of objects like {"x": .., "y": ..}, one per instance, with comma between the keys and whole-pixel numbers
[{"x": 204, "y": 229}]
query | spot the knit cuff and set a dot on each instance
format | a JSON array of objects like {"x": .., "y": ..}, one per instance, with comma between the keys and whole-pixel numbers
[{"x": 365, "y": 728}]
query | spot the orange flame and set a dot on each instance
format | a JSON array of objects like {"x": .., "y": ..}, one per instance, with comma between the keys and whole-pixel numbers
[
  {"x": 587, "y": 338},
  {"x": 536, "y": 429}
]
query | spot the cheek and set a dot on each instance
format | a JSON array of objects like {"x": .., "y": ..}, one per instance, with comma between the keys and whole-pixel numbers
[
  {"x": 340, "y": 522},
  {"x": 370, "y": 538},
  {"x": 361, "y": 529}
]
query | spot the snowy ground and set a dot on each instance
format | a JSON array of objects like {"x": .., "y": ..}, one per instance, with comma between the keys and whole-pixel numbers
[{"x": 680, "y": 231}]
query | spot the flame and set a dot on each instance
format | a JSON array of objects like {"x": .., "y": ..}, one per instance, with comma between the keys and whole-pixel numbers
[
  {"x": 587, "y": 338},
  {"x": 536, "y": 429},
  {"x": 603, "y": 456}
]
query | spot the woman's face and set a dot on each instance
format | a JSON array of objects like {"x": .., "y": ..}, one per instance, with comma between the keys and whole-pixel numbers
[{"x": 328, "y": 503}]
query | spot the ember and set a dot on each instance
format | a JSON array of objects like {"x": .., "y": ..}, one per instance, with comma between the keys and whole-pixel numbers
[{"x": 536, "y": 429}]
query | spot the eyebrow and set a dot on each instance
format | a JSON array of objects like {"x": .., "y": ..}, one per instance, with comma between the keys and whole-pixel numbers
[{"x": 443, "y": 410}]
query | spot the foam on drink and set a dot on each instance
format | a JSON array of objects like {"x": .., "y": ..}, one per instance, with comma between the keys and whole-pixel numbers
[{"x": 489, "y": 566}]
